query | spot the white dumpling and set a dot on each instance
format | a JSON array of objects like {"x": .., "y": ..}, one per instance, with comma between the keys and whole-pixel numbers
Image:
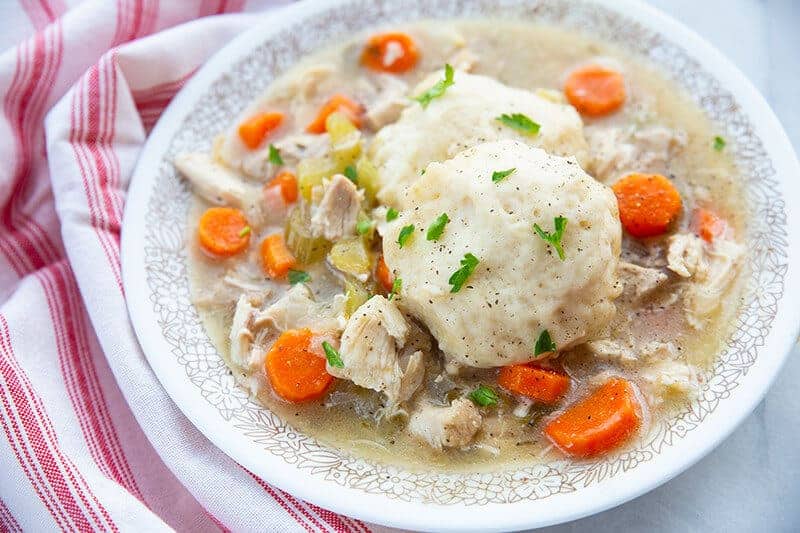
[
  {"x": 520, "y": 286},
  {"x": 464, "y": 116}
]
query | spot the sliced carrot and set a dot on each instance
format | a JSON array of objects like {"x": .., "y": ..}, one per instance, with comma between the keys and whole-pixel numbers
[
  {"x": 287, "y": 182},
  {"x": 223, "y": 231},
  {"x": 255, "y": 129},
  {"x": 598, "y": 423},
  {"x": 537, "y": 383},
  {"x": 384, "y": 275},
  {"x": 648, "y": 203},
  {"x": 275, "y": 256},
  {"x": 707, "y": 224},
  {"x": 393, "y": 52},
  {"x": 595, "y": 90},
  {"x": 296, "y": 372},
  {"x": 340, "y": 103}
]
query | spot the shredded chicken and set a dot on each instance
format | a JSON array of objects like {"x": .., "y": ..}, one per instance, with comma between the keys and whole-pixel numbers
[
  {"x": 452, "y": 427},
  {"x": 385, "y": 97},
  {"x": 294, "y": 148},
  {"x": 704, "y": 296},
  {"x": 617, "y": 150},
  {"x": 641, "y": 280},
  {"x": 297, "y": 309},
  {"x": 464, "y": 60},
  {"x": 685, "y": 255},
  {"x": 241, "y": 335},
  {"x": 622, "y": 351},
  {"x": 369, "y": 351},
  {"x": 337, "y": 213},
  {"x": 669, "y": 379}
]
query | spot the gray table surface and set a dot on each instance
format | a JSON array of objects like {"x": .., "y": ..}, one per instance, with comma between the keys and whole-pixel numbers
[{"x": 752, "y": 481}]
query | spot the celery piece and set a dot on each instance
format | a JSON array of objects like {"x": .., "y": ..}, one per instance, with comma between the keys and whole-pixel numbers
[
  {"x": 367, "y": 178},
  {"x": 351, "y": 256},
  {"x": 306, "y": 248},
  {"x": 356, "y": 293},
  {"x": 311, "y": 172}
]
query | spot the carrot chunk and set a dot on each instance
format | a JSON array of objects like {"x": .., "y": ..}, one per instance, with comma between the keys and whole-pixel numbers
[
  {"x": 255, "y": 129},
  {"x": 287, "y": 182},
  {"x": 384, "y": 275},
  {"x": 295, "y": 371},
  {"x": 595, "y": 91},
  {"x": 336, "y": 103},
  {"x": 598, "y": 423},
  {"x": 708, "y": 225},
  {"x": 393, "y": 52},
  {"x": 648, "y": 203},
  {"x": 223, "y": 231},
  {"x": 537, "y": 383},
  {"x": 275, "y": 256}
]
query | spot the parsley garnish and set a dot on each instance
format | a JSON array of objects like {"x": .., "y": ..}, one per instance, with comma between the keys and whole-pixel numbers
[
  {"x": 391, "y": 214},
  {"x": 397, "y": 284},
  {"x": 719, "y": 143},
  {"x": 333, "y": 357},
  {"x": 544, "y": 344},
  {"x": 554, "y": 238},
  {"x": 500, "y": 174},
  {"x": 484, "y": 396},
  {"x": 364, "y": 227},
  {"x": 350, "y": 173},
  {"x": 436, "y": 229},
  {"x": 438, "y": 88},
  {"x": 519, "y": 122},
  {"x": 405, "y": 234},
  {"x": 460, "y": 276},
  {"x": 245, "y": 231},
  {"x": 298, "y": 276},
  {"x": 275, "y": 155}
]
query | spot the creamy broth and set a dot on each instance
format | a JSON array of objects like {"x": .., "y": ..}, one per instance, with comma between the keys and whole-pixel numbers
[{"x": 528, "y": 57}]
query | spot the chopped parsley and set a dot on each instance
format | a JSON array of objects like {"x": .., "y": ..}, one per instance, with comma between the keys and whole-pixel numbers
[
  {"x": 275, "y": 155},
  {"x": 500, "y": 174},
  {"x": 719, "y": 143},
  {"x": 405, "y": 234},
  {"x": 333, "y": 357},
  {"x": 554, "y": 238},
  {"x": 364, "y": 227},
  {"x": 350, "y": 173},
  {"x": 391, "y": 214},
  {"x": 245, "y": 231},
  {"x": 422, "y": 172},
  {"x": 484, "y": 396},
  {"x": 438, "y": 88},
  {"x": 397, "y": 284},
  {"x": 436, "y": 229},
  {"x": 460, "y": 276},
  {"x": 298, "y": 276},
  {"x": 519, "y": 122},
  {"x": 544, "y": 344}
]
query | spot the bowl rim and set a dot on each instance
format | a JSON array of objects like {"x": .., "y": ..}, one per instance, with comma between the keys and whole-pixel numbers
[{"x": 415, "y": 515}]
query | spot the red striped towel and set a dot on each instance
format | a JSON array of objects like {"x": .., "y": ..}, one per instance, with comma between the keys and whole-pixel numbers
[{"x": 90, "y": 441}]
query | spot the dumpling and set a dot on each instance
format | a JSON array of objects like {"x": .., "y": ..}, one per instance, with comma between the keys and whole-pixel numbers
[
  {"x": 520, "y": 287},
  {"x": 466, "y": 115}
]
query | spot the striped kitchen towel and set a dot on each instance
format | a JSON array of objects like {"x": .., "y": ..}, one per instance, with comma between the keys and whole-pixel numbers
[{"x": 90, "y": 441}]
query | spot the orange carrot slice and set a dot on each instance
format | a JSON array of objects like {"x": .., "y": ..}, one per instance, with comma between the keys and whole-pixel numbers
[
  {"x": 707, "y": 224},
  {"x": 255, "y": 129},
  {"x": 537, "y": 383},
  {"x": 384, "y": 275},
  {"x": 275, "y": 256},
  {"x": 598, "y": 423},
  {"x": 287, "y": 182},
  {"x": 595, "y": 91},
  {"x": 223, "y": 231},
  {"x": 295, "y": 371},
  {"x": 340, "y": 103},
  {"x": 648, "y": 204},
  {"x": 393, "y": 52}
]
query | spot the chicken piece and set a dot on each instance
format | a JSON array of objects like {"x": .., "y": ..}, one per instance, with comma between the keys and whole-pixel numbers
[
  {"x": 385, "y": 97},
  {"x": 218, "y": 184},
  {"x": 337, "y": 213},
  {"x": 704, "y": 295},
  {"x": 669, "y": 379},
  {"x": 452, "y": 427},
  {"x": 241, "y": 335},
  {"x": 297, "y": 309},
  {"x": 617, "y": 151},
  {"x": 294, "y": 148},
  {"x": 369, "y": 351},
  {"x": 685, "y": 255},
  {"x": 464, "y": 60},
  {"x": 640, "y": 281},
  {"x": 630, "y": 351}
]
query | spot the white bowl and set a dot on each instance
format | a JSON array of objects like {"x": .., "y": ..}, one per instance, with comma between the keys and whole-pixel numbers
[{"x": 190, "y": 369}]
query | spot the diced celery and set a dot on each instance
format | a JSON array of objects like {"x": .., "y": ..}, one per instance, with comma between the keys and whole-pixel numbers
[
  {"x": 304, "y": 246},
  {"x": 345, "y": 140},
  {"x": 311, "y": 172},
  {"x": 351, "y": 256},
  {"x": 339, "y": 127},
  {"x": 367, "y": 178},
  {"x": 356, "y": 293}
]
